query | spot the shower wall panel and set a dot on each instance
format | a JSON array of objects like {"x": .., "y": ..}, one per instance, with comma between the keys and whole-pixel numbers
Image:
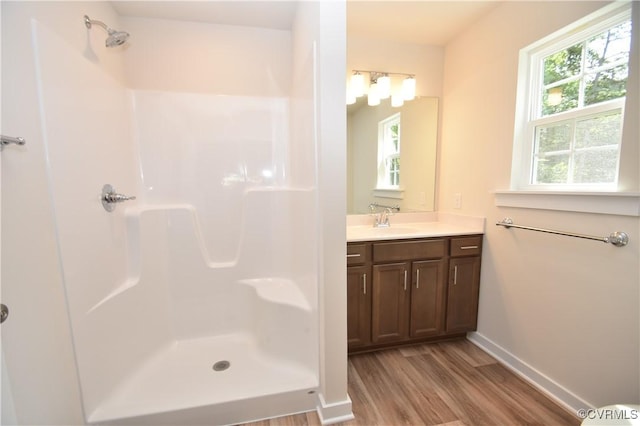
[
  {"x": 86, "y": 130},
  {"x": 228, "y": 157},
  {"x": 208, "y": 151}
]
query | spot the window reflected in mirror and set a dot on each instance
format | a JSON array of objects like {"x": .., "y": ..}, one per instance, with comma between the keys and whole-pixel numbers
[{"x": 391, "y": 157}]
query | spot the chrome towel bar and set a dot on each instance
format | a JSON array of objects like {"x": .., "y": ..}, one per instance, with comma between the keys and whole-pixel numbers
[{"x": 618, "y": 239}]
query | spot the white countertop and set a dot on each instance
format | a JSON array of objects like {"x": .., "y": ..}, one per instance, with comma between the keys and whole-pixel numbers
[{"x": 413, "y": 225}]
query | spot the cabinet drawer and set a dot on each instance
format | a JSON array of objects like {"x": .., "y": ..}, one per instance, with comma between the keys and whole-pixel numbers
[
  {"x": 357, "y": 254},
  {"x": 467, "y": 246},
  {"x": 409, "y": 250}
]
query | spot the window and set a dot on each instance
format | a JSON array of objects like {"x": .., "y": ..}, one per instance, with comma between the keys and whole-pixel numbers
[
  {"x": 572, "y": 89},
  {"x": 389, "y": 153}
]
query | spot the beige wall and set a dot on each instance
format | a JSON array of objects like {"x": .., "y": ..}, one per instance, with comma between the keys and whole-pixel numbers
[{"x": 564, "y": 310}]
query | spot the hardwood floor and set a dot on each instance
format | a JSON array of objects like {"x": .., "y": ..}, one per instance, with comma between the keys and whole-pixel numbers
[{"x": 451, "y": 383}]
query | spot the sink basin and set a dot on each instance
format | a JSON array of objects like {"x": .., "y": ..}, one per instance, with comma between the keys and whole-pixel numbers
[
  {"x": 370, "y": 231},
  {"x": 393, "y": 230}
]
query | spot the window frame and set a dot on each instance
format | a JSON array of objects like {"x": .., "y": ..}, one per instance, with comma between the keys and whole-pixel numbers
[
  {"x": 384, "y": 159},
  {"x": 529, "y": 98}
]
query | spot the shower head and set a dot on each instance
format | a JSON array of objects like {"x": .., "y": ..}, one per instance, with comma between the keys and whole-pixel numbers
[{"x": 115, "y": 38}]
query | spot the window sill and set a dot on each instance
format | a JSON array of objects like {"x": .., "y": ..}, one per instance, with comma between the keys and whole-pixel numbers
[
  {"x": 614, "y": 203},
  {"x": 396, "y": 193}
]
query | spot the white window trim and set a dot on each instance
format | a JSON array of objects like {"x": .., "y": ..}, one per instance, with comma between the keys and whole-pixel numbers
[
  {"x": 614, "y": 203},
  {"x": 381, "y": 186},
  {"x": 396, "y": 193},
  {"x": 599, "y": 200}
]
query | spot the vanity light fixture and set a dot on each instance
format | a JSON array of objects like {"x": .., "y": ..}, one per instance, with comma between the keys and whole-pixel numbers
[
  {"x": 409, "y": 88},
  {"x": 351, "y": 98},
  {"x": 357, "y": 84},
  {"x": 384, "y": 86},
  {"x": 397, "y": 100},
  {"x": 373, "y": 97},
  {"x": 380, "y": 87}
]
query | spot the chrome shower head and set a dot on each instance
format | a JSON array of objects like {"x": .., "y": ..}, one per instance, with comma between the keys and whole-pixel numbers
[{"x": 116, "y": 38}]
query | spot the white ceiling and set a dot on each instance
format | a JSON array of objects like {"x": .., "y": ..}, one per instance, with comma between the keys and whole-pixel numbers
[{"x": 422, "y": 22}]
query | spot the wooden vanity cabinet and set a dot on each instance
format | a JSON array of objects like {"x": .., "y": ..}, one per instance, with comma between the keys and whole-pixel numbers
[
  {"x": 428, "y": 298},
  {"x": 391, "y": 301},
  {"x": 408, "y": 300},
  {"x": 406, "y": 291},
  {"x": 464, "y": 284},
  {"x": 408, "y": 297},
  {"x": 358, "y": 295}
]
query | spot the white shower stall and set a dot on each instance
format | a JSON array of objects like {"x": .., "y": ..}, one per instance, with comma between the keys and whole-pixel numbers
[{"x": 197, "y": 302}]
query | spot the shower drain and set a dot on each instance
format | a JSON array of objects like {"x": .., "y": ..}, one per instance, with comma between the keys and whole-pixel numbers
[{"x": 221, "y": 365}]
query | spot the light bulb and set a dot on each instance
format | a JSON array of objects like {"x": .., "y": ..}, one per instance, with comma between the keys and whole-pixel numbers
[
  {"x": 384, "y": 86},
  {"x": 374, "y": 98},
  {"x": 351, "y": 98},
  {"x": 357, "y": 84},
  {"x": 409, "y": 88},
  {"x": 397, "y": 100}
]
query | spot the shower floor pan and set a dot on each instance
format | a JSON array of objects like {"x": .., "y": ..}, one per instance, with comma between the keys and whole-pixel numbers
[{"x": 180, "y": 385}]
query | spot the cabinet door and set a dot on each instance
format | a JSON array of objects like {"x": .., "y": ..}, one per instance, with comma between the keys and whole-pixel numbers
[
  {"x": 358, "y": 306},
  {"x": 427, "y": 298},
  {"x": 390, "y": 304},
  {"x": 462, "y": 298}
]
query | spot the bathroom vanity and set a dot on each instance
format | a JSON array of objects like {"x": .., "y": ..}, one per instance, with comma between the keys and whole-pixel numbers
[{"x": 417, "y": 283}]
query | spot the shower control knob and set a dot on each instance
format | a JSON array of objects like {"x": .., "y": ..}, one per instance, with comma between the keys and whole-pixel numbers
[
  {"x": 110, "y": 197},
  {"x": 4, "y": 312},
  {"x": 117, "y": 198}
]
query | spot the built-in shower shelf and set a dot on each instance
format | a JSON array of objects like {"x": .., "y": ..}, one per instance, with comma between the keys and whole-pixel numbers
[{"x": 278, "y": 290}]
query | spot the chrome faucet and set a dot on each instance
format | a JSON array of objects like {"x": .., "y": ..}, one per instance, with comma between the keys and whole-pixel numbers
[{"x": 381, "y": 218}]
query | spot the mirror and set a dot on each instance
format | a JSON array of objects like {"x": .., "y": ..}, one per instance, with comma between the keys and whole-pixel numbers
[{"x": 418, "y": 142}]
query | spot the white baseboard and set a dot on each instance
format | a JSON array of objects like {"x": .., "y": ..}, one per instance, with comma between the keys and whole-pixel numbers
[
  {"x": 335, "y": 412},
  {"x": 545, "y": 384}
]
